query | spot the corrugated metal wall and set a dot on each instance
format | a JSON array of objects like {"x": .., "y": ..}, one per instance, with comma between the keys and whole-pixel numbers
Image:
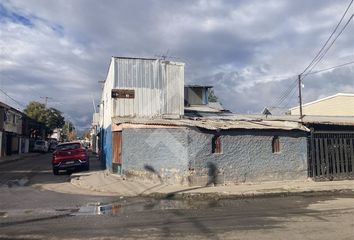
[{"x": 158, "y": 87}]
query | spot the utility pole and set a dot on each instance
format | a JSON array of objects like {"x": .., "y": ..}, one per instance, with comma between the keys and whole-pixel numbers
[
  {"x": 300, "y": 97},
  {"x": 46, "y": 100}
]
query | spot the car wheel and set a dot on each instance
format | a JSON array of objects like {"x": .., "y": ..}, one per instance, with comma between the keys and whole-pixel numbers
[
  {"x": 55, "y": 171},
  {"x": 87, "y": 167}
]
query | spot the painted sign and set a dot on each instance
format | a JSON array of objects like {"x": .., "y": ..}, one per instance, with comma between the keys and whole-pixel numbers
[{"x": 123, "y": 93}]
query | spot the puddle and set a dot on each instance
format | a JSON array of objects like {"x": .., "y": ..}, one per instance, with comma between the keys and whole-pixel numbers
[
  {"x": 17, "y": 183},
  {"x": 125, "y": 207}
]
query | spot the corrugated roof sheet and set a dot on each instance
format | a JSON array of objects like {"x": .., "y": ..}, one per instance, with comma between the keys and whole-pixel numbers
[
  {"x": 215, "y": 124},
  {"x": 328, "y": 120}
]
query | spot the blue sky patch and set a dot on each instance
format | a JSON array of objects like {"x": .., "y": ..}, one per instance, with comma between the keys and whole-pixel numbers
[{"x": 7, "y": 15}]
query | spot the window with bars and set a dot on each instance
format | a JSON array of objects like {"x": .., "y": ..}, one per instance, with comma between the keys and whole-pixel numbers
[
  {"x": 216, "y": 144},
  {"x": 275, "y": 144}
]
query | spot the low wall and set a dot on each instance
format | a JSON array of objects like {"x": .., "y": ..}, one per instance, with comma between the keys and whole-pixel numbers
[
  {"x": 247, "y": 155},
  {"x": 184, "y": 155},
  {"x": 155, "y": 154}
]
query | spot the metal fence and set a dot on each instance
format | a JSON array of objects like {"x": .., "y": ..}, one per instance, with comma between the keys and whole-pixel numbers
[{"x": 331, "y": 155}]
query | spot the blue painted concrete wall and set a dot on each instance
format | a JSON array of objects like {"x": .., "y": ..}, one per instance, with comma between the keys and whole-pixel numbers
[
  {"x": 247, "y": 155},
  {"x": 164, "y": 150},
  {"x": 106, "y": 157}
]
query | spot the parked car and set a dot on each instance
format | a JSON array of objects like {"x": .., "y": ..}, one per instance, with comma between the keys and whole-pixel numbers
[
  {"x": 40, "y": 146},
  {"x": 70, "y": 156},
  {"x": 53, "y": 145}
]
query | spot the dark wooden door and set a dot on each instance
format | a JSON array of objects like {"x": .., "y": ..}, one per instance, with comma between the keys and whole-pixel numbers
[{"x": 117, "y": 147}]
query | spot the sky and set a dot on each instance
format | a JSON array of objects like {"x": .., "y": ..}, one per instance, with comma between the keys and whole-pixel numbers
[{"x": 250, "y": 50}]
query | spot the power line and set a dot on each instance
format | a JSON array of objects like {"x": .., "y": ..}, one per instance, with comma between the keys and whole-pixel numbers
[
  {"x": 329, "y": 38},
  {"x": 287, "y": 103},
  {"x": 284, "y": 95},
  {"x": 330, "y": 68},
  {"x": 18, "y": 103},
  {"x": 324, "y": 53}
]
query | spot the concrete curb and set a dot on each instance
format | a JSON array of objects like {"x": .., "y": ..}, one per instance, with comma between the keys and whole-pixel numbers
[
  {"x": 19, "y": 157},
  {"x": 77, "y": 181},
  {"x": 218, "y": 196}
]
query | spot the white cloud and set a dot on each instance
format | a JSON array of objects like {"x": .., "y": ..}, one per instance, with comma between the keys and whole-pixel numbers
[{"x": 238, "y": 46}]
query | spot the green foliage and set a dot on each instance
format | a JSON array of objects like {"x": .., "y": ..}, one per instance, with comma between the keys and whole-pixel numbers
[
  {"x": 212, "y": 97},
  {"x": 54, "y": 119},
  {"x": 51, "y": 117},
  {"x": 36, "y": 111}
]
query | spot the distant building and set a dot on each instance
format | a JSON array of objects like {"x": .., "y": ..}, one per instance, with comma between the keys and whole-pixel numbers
[
  {"x": 10, "y": 130},
  {"x": 57, "y": 134},
  {"x": 340, "y": 104},
  {"x": 17, "y": 131}
]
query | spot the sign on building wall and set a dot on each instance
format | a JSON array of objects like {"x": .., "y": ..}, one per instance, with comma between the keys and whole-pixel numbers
[{"x": 123, "y": 93}]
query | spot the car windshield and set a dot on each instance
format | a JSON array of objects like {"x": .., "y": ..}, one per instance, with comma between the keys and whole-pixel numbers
[{"x": 71, "y": 146}]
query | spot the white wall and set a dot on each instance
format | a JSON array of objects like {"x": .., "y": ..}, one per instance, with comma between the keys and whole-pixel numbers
[
  {"x": 106, "y": 100},
  {"x": 158, "y": 86}
]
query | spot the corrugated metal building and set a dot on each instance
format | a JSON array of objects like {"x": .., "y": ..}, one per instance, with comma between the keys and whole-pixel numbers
[
  {"x": 139, "y": 87},
  {"x": 157, "y": 86}
]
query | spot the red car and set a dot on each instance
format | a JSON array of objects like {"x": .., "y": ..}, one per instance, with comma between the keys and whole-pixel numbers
[{"x": 70, "y": 156}]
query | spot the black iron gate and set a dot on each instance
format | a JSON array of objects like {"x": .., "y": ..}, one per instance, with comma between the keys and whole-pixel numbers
[{"x": 331, "y": 155}]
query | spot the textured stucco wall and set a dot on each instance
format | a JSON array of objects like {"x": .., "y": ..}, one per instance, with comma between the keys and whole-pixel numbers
[
  {"x": 247, "y": 155},
  {"x": 164, "y": 150}
]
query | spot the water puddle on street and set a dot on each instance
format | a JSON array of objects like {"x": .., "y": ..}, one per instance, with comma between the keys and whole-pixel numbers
[
  {"x": 125, "y": 207},
  {"x": 16, "y": 183}
]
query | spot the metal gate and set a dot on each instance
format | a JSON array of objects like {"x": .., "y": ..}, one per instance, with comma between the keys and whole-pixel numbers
[{"x": 331, "y": 155}]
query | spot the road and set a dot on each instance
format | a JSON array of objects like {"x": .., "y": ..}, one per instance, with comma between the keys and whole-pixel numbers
[{"x": 28, "y": 211}]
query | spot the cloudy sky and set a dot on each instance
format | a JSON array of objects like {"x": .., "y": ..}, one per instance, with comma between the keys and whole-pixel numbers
[{"x": 250, "y": 51}]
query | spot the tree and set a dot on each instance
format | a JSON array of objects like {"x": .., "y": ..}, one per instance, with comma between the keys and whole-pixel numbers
[
  {"x": 52, "y": 118},
  {"x": 69, "y": 131},
  {"x": 36, "y": 111}
]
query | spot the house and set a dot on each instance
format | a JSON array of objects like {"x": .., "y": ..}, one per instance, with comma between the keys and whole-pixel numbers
[
  {"x": 17, "y": 131},
  {"x": 137, "y": 88},
  {"x": 152, "y": 126},
  {"x": 243, "y": 150},
  {"x": 331, "y": 140},
  {"x": 10, "y": 130},
  {"x": 340, "y": 104}
]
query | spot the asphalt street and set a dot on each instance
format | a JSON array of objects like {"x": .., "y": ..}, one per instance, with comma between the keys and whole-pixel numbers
[{"x": 27, "y": 211}]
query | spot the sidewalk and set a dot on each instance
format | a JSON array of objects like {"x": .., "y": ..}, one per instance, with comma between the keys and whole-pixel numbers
[
  {"x": 16, "y": 157},
  {"x": 105, "y": 182}
]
